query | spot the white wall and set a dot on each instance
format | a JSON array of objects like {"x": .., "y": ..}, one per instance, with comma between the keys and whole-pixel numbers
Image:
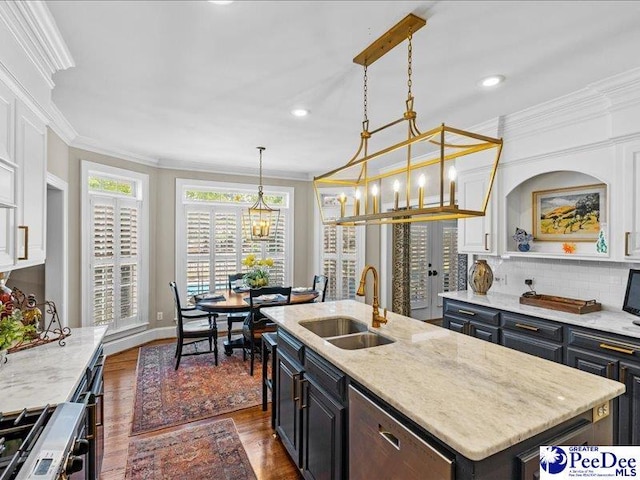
[{"x": 587, "y": 280}]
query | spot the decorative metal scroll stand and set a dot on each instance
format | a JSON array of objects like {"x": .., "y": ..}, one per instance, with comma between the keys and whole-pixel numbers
[{"x": 52, "y": 329}]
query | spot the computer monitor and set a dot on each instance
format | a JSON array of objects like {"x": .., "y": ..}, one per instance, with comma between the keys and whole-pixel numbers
[{"x": 632, "y": 297}]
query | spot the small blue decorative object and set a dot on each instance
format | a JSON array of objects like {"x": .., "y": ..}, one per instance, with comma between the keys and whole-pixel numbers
[
  {"x": 524, "y": 247},
  {"x": 522, "y": 239}
]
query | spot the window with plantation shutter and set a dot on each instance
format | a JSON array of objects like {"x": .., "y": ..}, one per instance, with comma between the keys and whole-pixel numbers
[
  {"x": 419, "y": 264},
  {"x": 433, "y": 266},
  {"x": 449, "y": 258},
  {"x": 341, "y": 259},
  {"x": 114, "y": 222},
  {"x": 211, "y": 240}
]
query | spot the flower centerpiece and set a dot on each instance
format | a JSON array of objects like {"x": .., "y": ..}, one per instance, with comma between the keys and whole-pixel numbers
[{"x": 258, "y": 276}]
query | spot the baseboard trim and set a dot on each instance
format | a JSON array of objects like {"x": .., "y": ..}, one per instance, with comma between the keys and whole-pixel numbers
[
  {"x": 132, "y": 341},
  {"x": 125, "y": 343}
]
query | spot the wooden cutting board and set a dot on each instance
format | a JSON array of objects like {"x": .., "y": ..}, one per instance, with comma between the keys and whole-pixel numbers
[{"x": 563, "y": 304}]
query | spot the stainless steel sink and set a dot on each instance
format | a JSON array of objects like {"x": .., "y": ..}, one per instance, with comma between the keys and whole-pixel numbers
[
  {"x": 334, "y": 326},
  {"x": 360, "y": 340}
]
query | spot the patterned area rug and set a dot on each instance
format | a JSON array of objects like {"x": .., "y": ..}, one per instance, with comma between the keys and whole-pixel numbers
[
  {"x": 211, "y": 450},
  {"x": 165, "y": 397}
]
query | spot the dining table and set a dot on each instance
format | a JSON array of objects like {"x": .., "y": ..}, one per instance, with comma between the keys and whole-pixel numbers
[{"x": 237, "y": 301}]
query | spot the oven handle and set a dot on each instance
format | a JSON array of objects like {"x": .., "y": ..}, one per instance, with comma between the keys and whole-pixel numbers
[
  {"x": 101, "y": 397},
  {"x": 91, "y": 412}
]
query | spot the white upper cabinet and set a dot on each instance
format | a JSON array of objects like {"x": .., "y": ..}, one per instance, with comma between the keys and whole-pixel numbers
[
  {"x": 478, "y": 234},
  {"x": 630, "y": 238},
  {"x": 7, "y": 179},
  {"x": 31, "y": 158}
]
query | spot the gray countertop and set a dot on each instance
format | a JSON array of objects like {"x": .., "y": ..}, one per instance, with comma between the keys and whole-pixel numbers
[
  {"x": 477, "y": 397},
  {"x": 618, "y": 322},
  {"x": 48, "y": 374}
]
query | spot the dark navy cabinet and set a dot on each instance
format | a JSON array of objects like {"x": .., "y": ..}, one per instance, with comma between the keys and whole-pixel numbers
[{"x": 311, "y": 410}]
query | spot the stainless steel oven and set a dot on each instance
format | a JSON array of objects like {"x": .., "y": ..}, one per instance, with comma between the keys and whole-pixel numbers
[
  {"x": 45, "y": 444},
  {"x": 57, "y": 442}
]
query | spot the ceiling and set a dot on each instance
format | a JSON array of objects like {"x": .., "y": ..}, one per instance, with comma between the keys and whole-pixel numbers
[{"x": 188, "y": 83}]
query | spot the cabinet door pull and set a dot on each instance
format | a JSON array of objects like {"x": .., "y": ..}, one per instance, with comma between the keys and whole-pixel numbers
[
  {"x": 294, "y": 384},
  {"x": 301, "y": 384},
  {"x": 614, "y": 348},
  {"x": 486, "y": 242},
  {"x": 610, "y": 366},
  {"x": 527, "y": 327},
  {"x": 389, "y": 437},
  {"x": 626, "y": 243},
  {"x": 466, "y": 312},
  {"x": 26, "y": 242},
  {"x": 623, "y": 375}
]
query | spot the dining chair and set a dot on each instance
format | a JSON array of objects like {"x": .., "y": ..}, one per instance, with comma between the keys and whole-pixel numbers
[
  {"x": 194, "y": 324},
  {"x": 320, "y": 283},
  {"x": 238, "y": 316},
  {"x": 256, "y": 324}
]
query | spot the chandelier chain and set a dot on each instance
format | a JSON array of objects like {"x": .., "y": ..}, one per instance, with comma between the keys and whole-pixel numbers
[
  {"x": 366, "y": 119},
  {"x": 260, "y": 175},
  {"x": 410, "y": 59}
]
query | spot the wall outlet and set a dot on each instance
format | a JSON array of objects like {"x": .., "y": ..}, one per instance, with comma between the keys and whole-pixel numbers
[
  {"x": 529, "y": 282},
  {"x": 159, "y": 316}
]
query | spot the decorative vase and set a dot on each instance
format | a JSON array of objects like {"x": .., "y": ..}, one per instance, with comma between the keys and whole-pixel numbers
[
  {"x": 480, "y": 277},
  {"x": 524, "y": 247}
]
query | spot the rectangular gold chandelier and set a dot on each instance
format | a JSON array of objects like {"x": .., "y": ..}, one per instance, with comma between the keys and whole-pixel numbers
[{"x": 414, "y": 179}]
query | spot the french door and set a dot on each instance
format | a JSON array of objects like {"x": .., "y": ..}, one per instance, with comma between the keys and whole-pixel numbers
[{"x": 433, "y": 266}]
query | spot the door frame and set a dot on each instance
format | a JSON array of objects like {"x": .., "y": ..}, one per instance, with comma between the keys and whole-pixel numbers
[{"x": 56, "y": 280}]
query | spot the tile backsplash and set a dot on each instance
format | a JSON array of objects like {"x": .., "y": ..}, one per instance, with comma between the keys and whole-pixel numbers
[{"x": 606, "y": 282}]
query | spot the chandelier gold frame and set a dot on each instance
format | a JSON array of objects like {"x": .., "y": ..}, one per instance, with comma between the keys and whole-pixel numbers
[
  {"x": 366, "y": 172},
  {"x": 260, "y": 220}
]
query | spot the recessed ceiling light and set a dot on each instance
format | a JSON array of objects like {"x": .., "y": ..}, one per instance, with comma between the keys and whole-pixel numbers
[
  {"x": 221, "y": 2},
  {"x": 299, "y": 112},
  {"x": 492, "y": 81}
]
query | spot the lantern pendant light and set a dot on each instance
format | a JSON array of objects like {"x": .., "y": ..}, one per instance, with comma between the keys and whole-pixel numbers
[{"x": 261, "y": 221}]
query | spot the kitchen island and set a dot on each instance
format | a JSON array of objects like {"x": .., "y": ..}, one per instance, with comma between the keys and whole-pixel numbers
[{"x": 476, "y": 399}]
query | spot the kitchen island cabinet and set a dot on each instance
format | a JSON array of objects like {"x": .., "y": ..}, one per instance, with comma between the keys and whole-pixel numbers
[
  {"x": 310, "y": 412},
  {"x": 483, "y": 406}
]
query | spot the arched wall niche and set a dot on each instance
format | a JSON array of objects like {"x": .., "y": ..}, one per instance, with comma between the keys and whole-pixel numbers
[{"x": 520, "y": 209}]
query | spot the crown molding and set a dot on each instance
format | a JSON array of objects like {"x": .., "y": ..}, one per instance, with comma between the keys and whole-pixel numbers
[
  {"x": 621, "y": 90},
  {"x": 22, "y": 93},
  {"x": 241, "y": 171},
  {"x": 33, "y": 26},
  {"x": 95, "y": 146},
  {"x": 580, "y": 106},
  {"x": 61, "y": 126}
]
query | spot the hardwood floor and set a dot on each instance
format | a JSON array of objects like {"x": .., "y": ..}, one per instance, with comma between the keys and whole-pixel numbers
[{"x": 266, "y": 454}]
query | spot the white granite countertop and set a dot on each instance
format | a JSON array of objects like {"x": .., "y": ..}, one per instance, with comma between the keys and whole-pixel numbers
[
  {"x": 48, "y": 374},
  {"x": 618, "y": 322},
  {"x": 477, "y": 397}
]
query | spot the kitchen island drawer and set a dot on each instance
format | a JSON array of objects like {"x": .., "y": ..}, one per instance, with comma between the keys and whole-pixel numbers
[
  {"x": 532, "y": 326},
  {"x": 325, "y": 375},
  {"x": 292, "y": 346},
  {"x": 472, "y": 312}
]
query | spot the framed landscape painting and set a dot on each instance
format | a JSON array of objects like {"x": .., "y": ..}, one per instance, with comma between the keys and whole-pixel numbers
[{"x": 569, "y": 214}]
